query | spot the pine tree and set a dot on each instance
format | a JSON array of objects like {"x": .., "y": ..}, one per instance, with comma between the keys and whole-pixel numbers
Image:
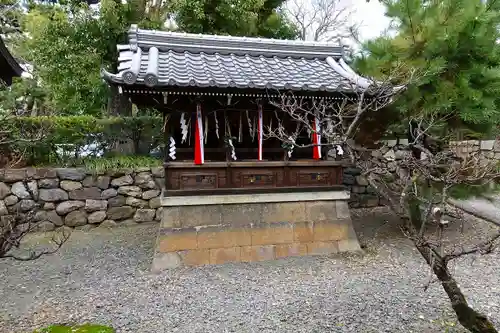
[{"x": 453, "y": 47}]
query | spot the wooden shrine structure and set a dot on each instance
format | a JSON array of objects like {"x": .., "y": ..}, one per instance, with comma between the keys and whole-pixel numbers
[
  {"x": 9, "y": 67},
  {"x": 232, "y": 193},
  {"x": 215, "y": 93}
]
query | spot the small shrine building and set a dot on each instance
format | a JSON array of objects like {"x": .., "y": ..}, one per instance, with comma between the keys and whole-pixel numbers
[
  {"x": 9, "y": 67},
  {"x": 248, "y": 196}
]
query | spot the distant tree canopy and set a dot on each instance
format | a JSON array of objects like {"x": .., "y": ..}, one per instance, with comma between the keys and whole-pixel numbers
[
  {"x": 453, "y": 45},
  {"x": 70, "y": 41}
]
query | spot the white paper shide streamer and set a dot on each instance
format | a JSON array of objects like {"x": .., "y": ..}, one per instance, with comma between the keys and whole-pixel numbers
[
  {"x": 216, "y": 125},
  {"x": 171, "y": 151},
  {"x": 292, "y": 140},
  {"x": 233, "y": 151},
  {"x": 184, "y": 128}
]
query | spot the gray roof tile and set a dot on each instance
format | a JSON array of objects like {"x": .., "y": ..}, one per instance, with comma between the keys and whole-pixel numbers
[{"x": 158, "y": 58}]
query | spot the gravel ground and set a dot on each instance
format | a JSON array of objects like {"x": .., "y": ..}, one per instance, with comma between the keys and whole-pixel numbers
[{"x": 102, "y": 276}]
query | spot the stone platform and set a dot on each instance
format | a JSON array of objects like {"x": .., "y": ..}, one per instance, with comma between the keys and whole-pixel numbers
[{"x": 200, "y": 230}]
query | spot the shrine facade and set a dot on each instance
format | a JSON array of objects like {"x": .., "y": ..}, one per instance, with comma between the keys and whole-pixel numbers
[
  {"x": 9, "y": 67},
  {"x": 249, "y": 195},
  {"x": 216, "y": 94}
]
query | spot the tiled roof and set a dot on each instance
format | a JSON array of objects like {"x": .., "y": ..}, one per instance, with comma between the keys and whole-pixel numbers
[{"x": 156, "y": 59}]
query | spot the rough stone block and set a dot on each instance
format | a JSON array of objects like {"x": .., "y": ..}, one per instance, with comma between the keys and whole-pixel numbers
[
  {"x": 150, "y": 194},
  {"x": 95, "y": 205},
  {"x": 122, "y": 181},
  {"x": 44, "y": 173},
  {"x": 328, "y": 231},
  {"x": 155, "y": 203},
  {"x": 292, "y": 212},
  {"x": 69, "y": 185},
  {"x": 220, "y": 237},
  {"x": 14, "y": 175},
  {"x": 76, "y": 218},
  {"x": 120, "y": 213},
  {"x": 273, "y": 233},
  {"x": 238, "y": 214},
  {"x": 221, "y": 256},
  {"x": 144, "y": 215},
  {"x": 158, "y": 172},
  {"x": 71, "y": 174},
  {"x": 178, "y": 240},
  {"x": 11, "y": 200},
  {"x": 195, "y": 257},
  {"x": 136, "y": 202},
  {"x": 4, "y": 191},
  {"x": 48, "y": 183},
  {"x": 322, "y": 248},
  {"x": 163, "y": 261},
  {"x": 290, "y": 250},
  {"x": 342, "y": 209},
  {"x": 97, "y": 217},
  {"x": 109, "y": 193},
  {"x": 108, "y": 224},
  {"x": 133, "y": 191},
  {"x": 321, "y": 210},
  {"x": 86, "y": 193},
  {"x": 53, "y": 195},
  {"x": 170, "y": 217},
  {"x": 66, "y": 207},
  {"x": 20, "y": 191},
  {"x": 257, "y": 253},
  {"x": 303, "y": 232},
  {"x": 192, "y": 216}
]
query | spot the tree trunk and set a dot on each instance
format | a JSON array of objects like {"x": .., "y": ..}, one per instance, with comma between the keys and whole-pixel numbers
[{"x": 472, "y": 320}]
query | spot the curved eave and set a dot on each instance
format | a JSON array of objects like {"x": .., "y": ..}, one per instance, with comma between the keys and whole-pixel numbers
[{"x": 14, "y": 65}]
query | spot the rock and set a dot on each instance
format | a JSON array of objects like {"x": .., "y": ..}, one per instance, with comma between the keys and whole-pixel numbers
[
  {"x": 361, "y": 180},
  {"x": 11, "y": 200},
  {"x": 155, "y": 203},
  {"x": 349, "y": 180},
  {"x": 85, "y": 193},
  {"x": 76, "y": 218},
  {"x": 118, "y": 173},
  {"x": 142, "y": 169},
  {"x": 71, "y": 174},
  {"x": 133, "y": 191},
  {"x": 48, "y": 183},
  {"x": 52, "y": 216},
  {"x": 158, "y": 172},
  {"x": 144, "y": 180},
  {"x": 390, "y": 156},
  {"x": 109, "y": 193},
  {"x": 158, "y": 214},
  {"x": 359, "y": 189},
  {"x": 4, "y": 190},
  {"x": 44, "y": 226},
  {"x": 33, "y": 187},
  {"x": 49, "y": 206},
  {"x": 120, "y": 213},
  {"x": 117, "y": 201},
  {"x": 69, "y": 185},
  {"x": 135, "y": 202},
  {"x": 122, "y": 181},
  {"x": 150, "y": 194},
  {"x": 41, "y": 215},
  {"x": 160, "y": 182},
  {"x": 68, "y": 206},
  {"x": 6, "y": 220},
  {"x": 14, "y": 175},
  {"x": 103, "y": 182},
  {"x": 127, "y": 223},
  {"x": 97, "y": 217},
  {"x": 20, "y": 191},
  {"x": 352, "y": 171},
  {"x": 89, "y": 181},
  {"x": 42, "y": 173},
  {"x": 53, "y": 195},
  {"x": 95, "y": 205},
  {"x": 86, "y": 228},
  {"x": 144, "y": 215},
  {"x": 3, "y": 208},
  {"x": 108, "y": 224},
  {"x": 27, "y": 205}
]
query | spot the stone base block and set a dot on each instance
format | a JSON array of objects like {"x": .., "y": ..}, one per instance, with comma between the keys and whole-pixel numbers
[{"x": 248, "y": 232}]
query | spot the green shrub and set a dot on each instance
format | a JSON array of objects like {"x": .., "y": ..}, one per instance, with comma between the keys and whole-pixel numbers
[
  {"x": 60, "y": 140},
  {"x": 76, "y": 329}
]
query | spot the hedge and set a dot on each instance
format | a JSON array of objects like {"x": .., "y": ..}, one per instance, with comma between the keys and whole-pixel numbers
[{"x": 49, "y": 140}]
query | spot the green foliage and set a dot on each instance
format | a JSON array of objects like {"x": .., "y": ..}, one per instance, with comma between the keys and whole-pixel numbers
[
  {"x": 76, "y": 329},
  {"x": 235, "y": 17},
  {"x": 452, "y": 44},
  {"x": 40, "y": 138},
  {"x": 99, "y": 165}
]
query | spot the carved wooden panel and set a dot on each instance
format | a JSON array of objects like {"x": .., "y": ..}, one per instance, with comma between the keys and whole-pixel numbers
[
  {"x": 254, "y": 178},
  {"x": 313, "y": 178},
  {"x": 198, "y": 181}
]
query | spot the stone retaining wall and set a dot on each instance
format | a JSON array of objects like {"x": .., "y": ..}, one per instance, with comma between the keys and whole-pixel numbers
[{"x": 77, "y": 198}]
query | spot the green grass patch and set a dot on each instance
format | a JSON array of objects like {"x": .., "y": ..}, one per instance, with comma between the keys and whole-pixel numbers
[
  {"x": 102, "y": 164},
  {"x": 76, "y": 329}
]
